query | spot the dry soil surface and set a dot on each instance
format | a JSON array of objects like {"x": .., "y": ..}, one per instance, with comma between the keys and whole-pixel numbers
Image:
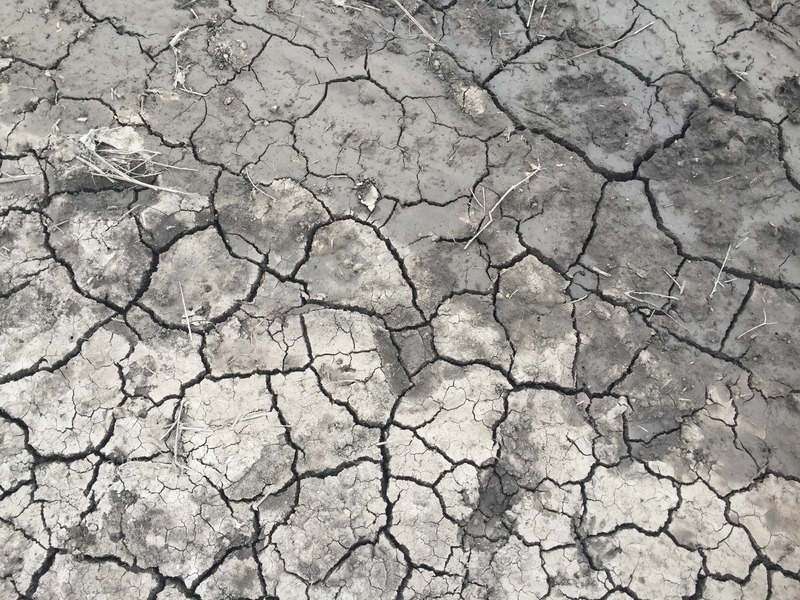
[{"x": 368, "y": 299}]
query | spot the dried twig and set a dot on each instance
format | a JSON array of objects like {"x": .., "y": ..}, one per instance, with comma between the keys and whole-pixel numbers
[
  {"x": 5, "y": 178},
  {"x": 624, "y": 37},
  {"x": 176, "y": 39},
  {"x": 762, "y": 324},
  {"x": 528, "y": 176},
  {"x": 717, "y": 280},
  {"x": 598, "y": 271}
]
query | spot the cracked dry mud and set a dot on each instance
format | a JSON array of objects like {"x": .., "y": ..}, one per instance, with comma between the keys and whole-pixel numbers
[{"x": 285, "y": 366}]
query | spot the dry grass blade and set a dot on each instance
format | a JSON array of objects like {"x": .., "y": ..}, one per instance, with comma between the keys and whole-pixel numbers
[
  {"x": 718, "y": 280},
  {"x": 624, "y": 37},
  {"x": 255, "y": 187},
  {"x": 117, "y": 155},
  {"x": 530, "y": 14},
  {"x": 528, "y": 177},
  {"x": 115, "y": 174},
  {"x": 598, "y": 271},
  {"x": 631, "y": 293},
  {"x": 12, "y": 178}
]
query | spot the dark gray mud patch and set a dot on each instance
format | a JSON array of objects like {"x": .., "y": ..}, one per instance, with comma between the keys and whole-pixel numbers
[
  {"x": 660, "y": 395},
  {"x": 276, "y": 220},
  {"x": 603, "y": 109},
  {"x": 724, "y": 185}
]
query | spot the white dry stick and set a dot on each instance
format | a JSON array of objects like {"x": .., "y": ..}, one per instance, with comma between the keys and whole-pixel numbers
[
  {"x": 169, "y": 429},
  {"x": 765, "y": 322},
  {"x": 499, "y": 202},
  {"x": 255, "y": 187},
  {"x": 415, "y": 22},
  {"x": 718, "y": 280},
  {"x": 186, "y": 314},
  {"x": 12, "y": 178},
  {"x": 598, "y": 271},
  {"x": 624, "y": 37},
  {"x": 530, "y": 14}
]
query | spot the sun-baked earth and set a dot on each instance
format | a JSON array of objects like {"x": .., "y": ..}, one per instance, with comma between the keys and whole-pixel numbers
[{"x": 377, "y": 299}]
